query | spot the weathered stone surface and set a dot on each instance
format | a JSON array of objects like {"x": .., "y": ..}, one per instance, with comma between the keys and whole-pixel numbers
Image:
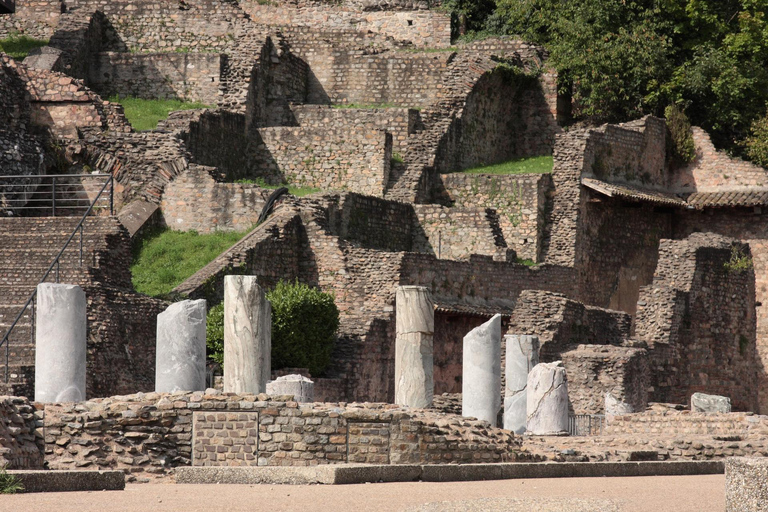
[
  {"x": 547, "y": 408},
  {"x": 414, "y": 360},
  {"x": 701, "y": 402},
  {"x": 746, "y": 484},
  {"x": 60, "y": 343},
  {"x": 247, "y": 336},
  {"x": 614, "y": 406},
  {"x": 180, "y": 362},
  {"x": 522, "y": 355},
  {"x": 481, "y": 379},
  {"x": 302, "y": 388}
]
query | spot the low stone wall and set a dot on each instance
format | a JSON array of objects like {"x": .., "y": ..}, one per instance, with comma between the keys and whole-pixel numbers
[
  {"x": 400, "y": 122},
  {"x": 147, "y": 435},
  {"x": 327, "y": 159},
  {"x": 520, "y": 201},
  {"x": 195, "y": 200},
  {"x": 457, "y": 233},
  {"x": 20, "y": 443},
  {"x": 187, "y": 76}
]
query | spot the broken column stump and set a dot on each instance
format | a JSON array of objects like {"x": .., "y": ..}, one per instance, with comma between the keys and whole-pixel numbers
[
  {"x": 547, "y": 402},
  {"x": 180, "y": 357},
  {"x": 481, "y": 372},
  {"x": 521, "y": 356},
  {"x": 414, "y": 359}
]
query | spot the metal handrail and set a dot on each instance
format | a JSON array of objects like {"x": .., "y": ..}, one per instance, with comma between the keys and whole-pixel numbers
[
  {"x": 55, "y": 263},
  {"x": 32, "y": 203}
]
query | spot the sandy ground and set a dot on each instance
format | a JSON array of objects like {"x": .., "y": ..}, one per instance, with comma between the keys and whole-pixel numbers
[{"x": 642, "y": 494}]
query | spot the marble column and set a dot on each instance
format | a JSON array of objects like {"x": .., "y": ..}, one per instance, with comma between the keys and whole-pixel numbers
[
  {"x": 415, "y": 325},
  {"x": 180, "y": 358},
  {"x": 247, "y": 336},
  {"x": 521, "y": 356},
  {"x": 60, "y": 343},
  {"x": 481, "y": 372},
  {"x": 302, "y": 388},
  {"x": 547, "y": 399}
]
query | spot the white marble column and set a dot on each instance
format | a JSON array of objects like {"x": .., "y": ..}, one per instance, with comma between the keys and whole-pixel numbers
[
  {"x": 60, "y": 343},
  {"x": 415, "y": 323},
  {"x": 180, "y": 357},
  {"x": 302, "y": 388},
  {"x": 522, "y": 355},
  {"x": 547, "y": 399},
  {"x": 481, "y": 372},
  {"x": 247, "y": 336}
]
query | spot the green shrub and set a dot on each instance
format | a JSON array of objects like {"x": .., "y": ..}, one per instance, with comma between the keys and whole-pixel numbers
[
  {"x": 9, "y": 484},
  {"x": 739, "y": 262},
  {"x": 214, "y": 333},
  {"x": 682, "y": 148},
  {"x": 304, "y": 324},
  {"x": 757, "y": 142}
]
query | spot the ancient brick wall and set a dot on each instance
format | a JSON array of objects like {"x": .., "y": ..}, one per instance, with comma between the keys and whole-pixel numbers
[
  {"x": 400, "y": 122},
  {"x": 698, "y": 318},
  {"x": 147, "y": 435},
  {"x": 504, "y": 117},
  {"x": 371, "y": 221},
  {"x": 421, "y": 27},
  {"x": 196, "y": 201},
  {"x": 520, "y": 201},
  {"x": 187, "y": 76},
  {"x": 35, "y": 18},
  {"x": 751, "y": 226},
  {"x": 457, "y": 233},
  {"x": 20, "y": 445},
  {"x": 560, "y": 323},
  {"x": 329, "y": 159},
  {"x": 594, "y": 370}
]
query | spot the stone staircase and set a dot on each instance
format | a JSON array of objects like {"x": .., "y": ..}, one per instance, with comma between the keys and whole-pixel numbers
[{"x": 28, "y": 245}]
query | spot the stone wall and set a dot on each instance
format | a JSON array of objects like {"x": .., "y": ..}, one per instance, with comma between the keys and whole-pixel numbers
[
  {"x": 147, "y": 435},
  {"x": 20, "y": 444},
  {"x": 421, "y": 27},
  {"x": 698, "y": 319},
  {"x": 196, "y": 201},
  {"x": 749, "y": 225},
  {"x": 458, "y": 233},
  {"x": 594, "y": 370},
  {"x": 520, "y": 201},
  {"x": 329, "y": 159},
  {"x": 35, "y": 18},
  {"x": 400, "y": 122},
  {"x": 371, "y": 221},
  {"x": 187, "y": 76}
]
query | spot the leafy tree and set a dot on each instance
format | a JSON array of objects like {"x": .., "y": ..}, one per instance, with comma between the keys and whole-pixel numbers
[{"x": 757, "y": 142}]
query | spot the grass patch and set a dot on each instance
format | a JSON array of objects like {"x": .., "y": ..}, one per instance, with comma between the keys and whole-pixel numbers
[
  {"x": 532, "y": 165},
  {"x": 9, "y": 484},
  {"x": 19, "y": 47},
  {"x": 163, "y": 259},
  {"x": 525, "y": 261},
  {"x": 145, "y": 114},
  {"x": 292, "y": 189}
]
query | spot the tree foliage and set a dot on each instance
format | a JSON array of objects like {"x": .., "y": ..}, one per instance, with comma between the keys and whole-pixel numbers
[{"x": 626, "y": 58}]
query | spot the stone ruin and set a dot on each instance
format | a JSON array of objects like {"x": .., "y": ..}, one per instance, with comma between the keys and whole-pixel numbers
[{"x": 647, "y": 280}]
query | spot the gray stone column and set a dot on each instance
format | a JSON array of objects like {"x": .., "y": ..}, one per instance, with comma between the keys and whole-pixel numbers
[
  {"x": 180, "y": 358},
  {"x": 415, "y": 315},
  {"x": 547, "y": 399},
  {"x": 60, "y": 343},
  {"x": 521, "y": 356},
  {"x": 247, "y": 336},
  {"x": 481, "y": 372},
  {"x": 302, "y": 388}
]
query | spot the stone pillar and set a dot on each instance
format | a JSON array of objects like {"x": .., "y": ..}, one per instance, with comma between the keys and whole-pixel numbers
[
  {"x": 616, "y": 407},
  {"x": 180, "y": 359},
  {"x": 60, "y": 343},
  {"x": 481, "y": 372},
  {"x": 547, "y": 403},
  {"x": 414, "y": 384},
  {"x": 302, "y": 389},
  {"x": 247, "y": 336},
  {"x": 521, "y": 356}
]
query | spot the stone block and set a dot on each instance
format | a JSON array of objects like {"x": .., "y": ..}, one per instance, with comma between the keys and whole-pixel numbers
[
  {"x": 547, "y": 402},
  {"x": 414, "y": 357},
  {"x": 701, "y": 402},
  {"x": 302, "y": 388}
]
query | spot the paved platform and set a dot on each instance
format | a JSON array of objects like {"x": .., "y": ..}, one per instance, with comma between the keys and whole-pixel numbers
[
  {"x": 335, "y": 474},
  {"x": 68, "y": 481}
]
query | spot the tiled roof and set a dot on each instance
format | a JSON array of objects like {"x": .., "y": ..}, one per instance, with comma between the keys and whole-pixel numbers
[
  {"x": 633, "y": 193},
  {"x": 700, "y": 200}
]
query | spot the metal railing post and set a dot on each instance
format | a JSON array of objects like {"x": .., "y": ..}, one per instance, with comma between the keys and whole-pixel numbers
[
  {"x": 53, "y": 196},
  {"x": 58, "y": 264},
  {"x": 81, "y": 245},
  {"x": 111, "y": 195}
]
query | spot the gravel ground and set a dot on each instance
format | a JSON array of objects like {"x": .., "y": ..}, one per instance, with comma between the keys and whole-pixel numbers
[{"x": 637, "y": 494}]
